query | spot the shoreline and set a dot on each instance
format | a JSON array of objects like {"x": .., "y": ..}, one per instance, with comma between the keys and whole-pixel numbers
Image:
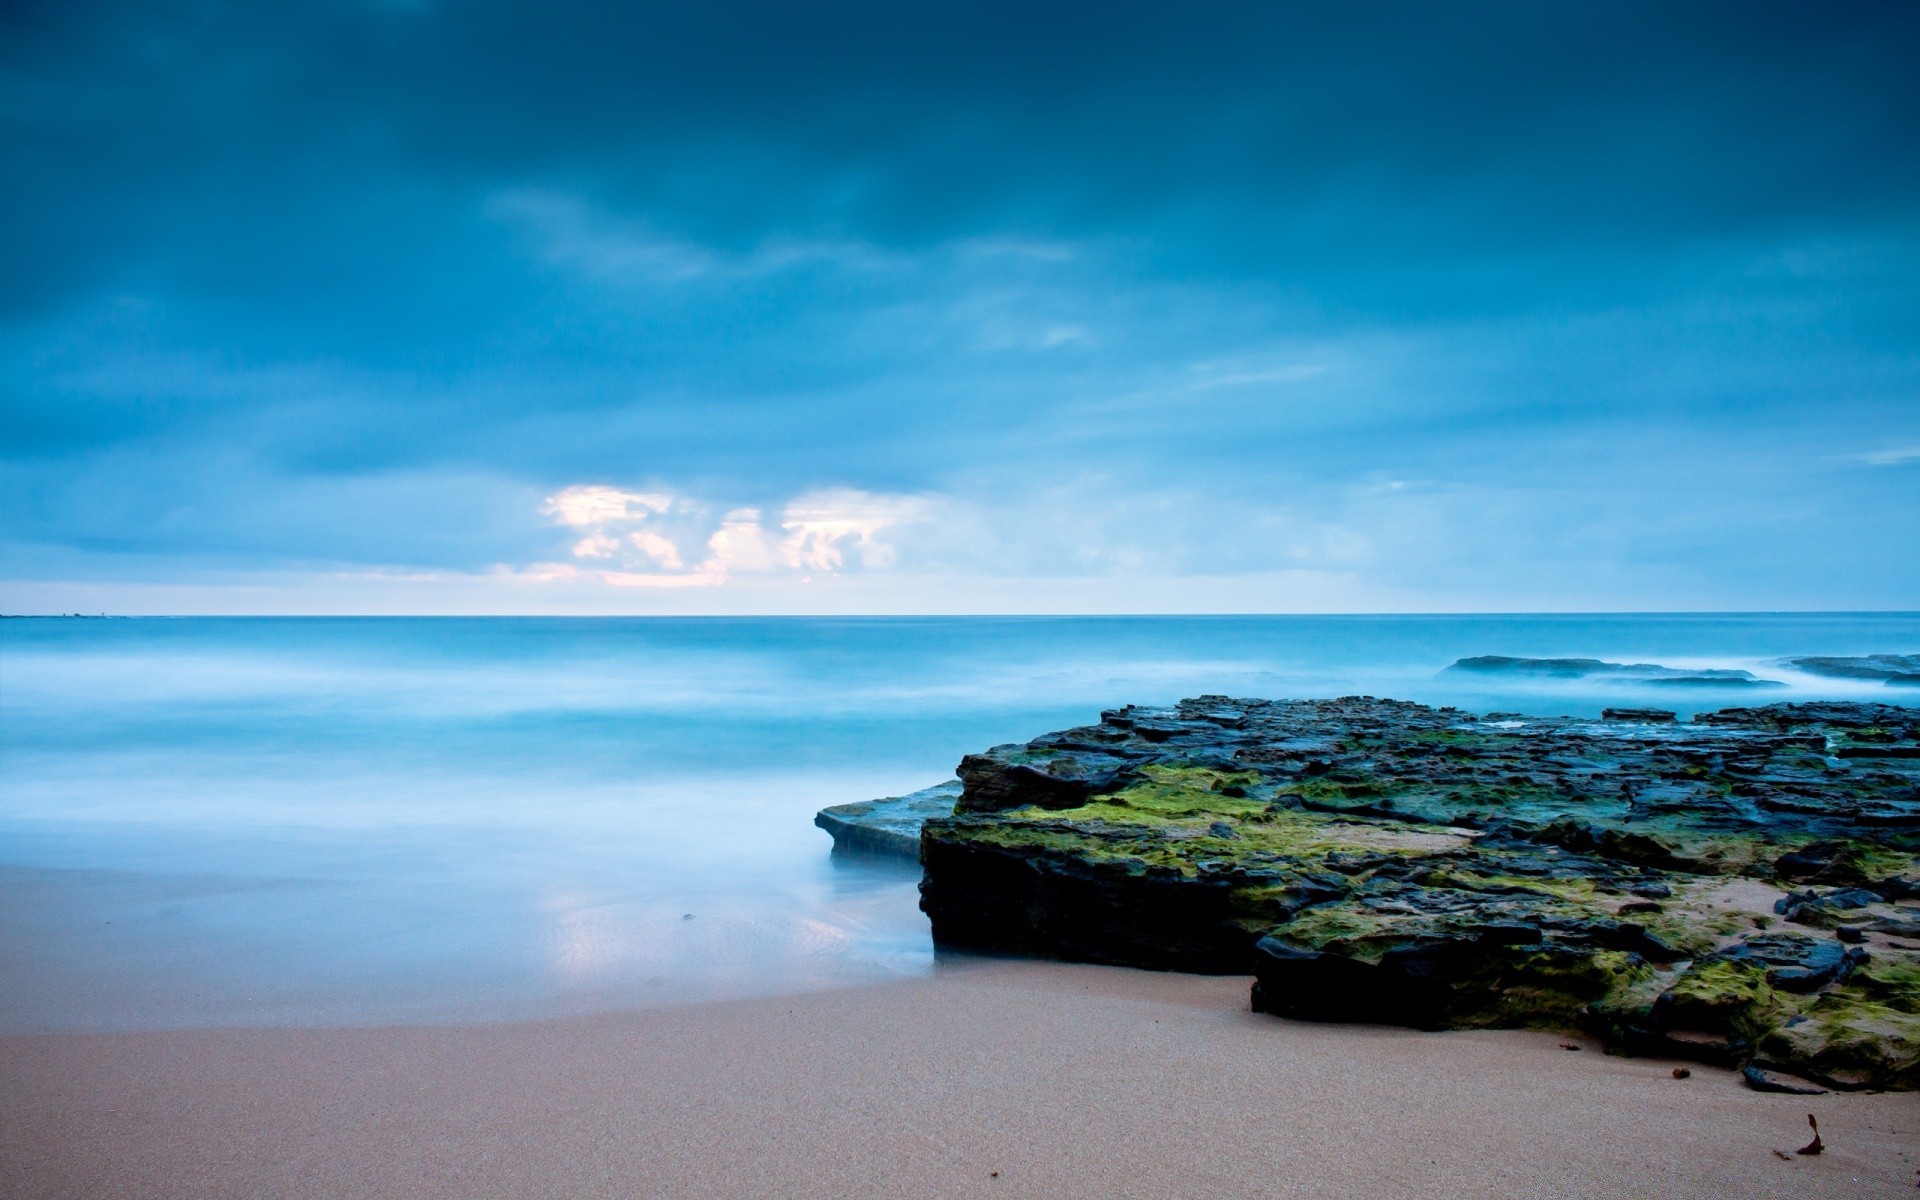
[{"x": 1065, "y": 1079}]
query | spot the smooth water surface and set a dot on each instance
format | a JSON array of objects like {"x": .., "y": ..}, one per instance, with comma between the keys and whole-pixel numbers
[{"x": 384, "y": 820}]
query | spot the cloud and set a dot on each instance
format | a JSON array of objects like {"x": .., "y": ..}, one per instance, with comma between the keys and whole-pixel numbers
[
  {"x": 742, "y": 543},
  {"x": 642, "y": 534},
  {"x": 656, "y": 547},
  {"x": 822, "y": 528},
  {"x": 592, "y": 505},
  {"x": 569, "y": 230},
  {"x": 1046, "y": 289}
]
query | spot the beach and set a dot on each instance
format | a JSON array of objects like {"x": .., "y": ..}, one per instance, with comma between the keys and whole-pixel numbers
[
  {"x": 636, "y": 599},
  {"x": 985, "y": 1078}
]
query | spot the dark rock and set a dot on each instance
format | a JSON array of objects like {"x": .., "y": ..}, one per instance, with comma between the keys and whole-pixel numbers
[
  {"x": 1646, "y": 716},
  {"x": 1427, "y": 982},
  {"x": 1823, "y": 910},
  {"x": 1606, "y": 841},
  {"x": 1794, "y": 962},
  {"x": 1791, "y": 902},
  {"x": 1846, "y": 718},
  {"x": 888, "y": 827},
  {"x": 1762, "y": 1080},
  {"x": 1898, "y": 888},
  {"x": 1063, "y": 779},
  {"x": 1115, "y": 909},
  {"x": 1822, "y": 862},
  {"x": 1377, "y": 860},
  {"x": 1866, "y": 666},
  {"x": 1586, "y": 668},
  {"x": 1550, "y": 668}
]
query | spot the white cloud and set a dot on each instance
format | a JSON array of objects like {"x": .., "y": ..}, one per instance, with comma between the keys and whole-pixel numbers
[
  {"x": 551, "y": 572},
  {"x": 657, "y": 548},
  {"x": 743, "y": 544},
  {"x": 593, "y": 505},
  {"x": 638, "y": 536},
  {"x": 823, "y": 527},
  {"x": 597, "y": 546},
  {"x": 1893, "y": 457}
]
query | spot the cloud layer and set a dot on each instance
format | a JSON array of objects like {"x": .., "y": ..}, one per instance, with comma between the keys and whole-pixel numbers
[{"x": 937, "y": 307}]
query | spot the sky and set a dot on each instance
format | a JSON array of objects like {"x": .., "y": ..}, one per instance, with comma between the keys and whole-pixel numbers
[{"x": 462, "y": 306}]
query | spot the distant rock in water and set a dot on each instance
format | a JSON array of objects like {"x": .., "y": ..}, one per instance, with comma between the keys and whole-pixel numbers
[
  {"x": 1646, "y": 716},
  {"x": 1895, "y": 670},
  {"x": 1586, "y": 668},
  {"x": 1742, "y": 888},
  {"x": 890, "y": 826}
]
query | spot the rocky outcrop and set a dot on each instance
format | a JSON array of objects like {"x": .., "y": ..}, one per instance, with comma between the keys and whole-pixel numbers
[
  {"x": 1739, "y": 888},
  {"x": 1894, "y": 670},
  {"x": 888, "y": 827},
  {"x": 1587, "y": 668}
]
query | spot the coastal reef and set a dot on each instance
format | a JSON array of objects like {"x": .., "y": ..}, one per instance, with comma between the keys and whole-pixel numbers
[
  {"x": 1742, "y": 888},
  {"x": 1591, "y": 668},
  {"x": 1894, "y": 670}
]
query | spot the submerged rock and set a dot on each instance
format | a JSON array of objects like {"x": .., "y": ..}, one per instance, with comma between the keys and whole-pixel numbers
[
  {"x": 1384, "y": 861},
  {"x": 1586, "y": 668},
  {"x": 889, "y": 826},
  {"x": 1895, "y": 670}
]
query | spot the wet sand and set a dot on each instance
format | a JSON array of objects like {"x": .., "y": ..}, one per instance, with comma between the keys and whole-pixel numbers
[{"x": 1066, "y": 1081}]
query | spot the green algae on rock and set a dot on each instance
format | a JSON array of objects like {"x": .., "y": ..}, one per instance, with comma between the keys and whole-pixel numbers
[{"x": 1739, "y": 888}]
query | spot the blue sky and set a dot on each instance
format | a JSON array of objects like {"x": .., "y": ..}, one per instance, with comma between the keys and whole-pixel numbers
[{"x": 461, "y": 306}]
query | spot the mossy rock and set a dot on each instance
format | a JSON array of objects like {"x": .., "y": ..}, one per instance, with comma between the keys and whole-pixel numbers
[{"x": 1379, "y": 860}]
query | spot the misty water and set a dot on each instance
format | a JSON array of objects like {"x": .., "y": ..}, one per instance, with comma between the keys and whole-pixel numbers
[{"x": 276, "y": 821}]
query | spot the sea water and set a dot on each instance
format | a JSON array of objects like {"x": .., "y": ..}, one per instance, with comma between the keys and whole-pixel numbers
[{"x": 214, "y": 821}]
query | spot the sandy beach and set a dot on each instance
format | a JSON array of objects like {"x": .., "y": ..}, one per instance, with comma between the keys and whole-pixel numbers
[{"x": 1010, "y": 1079}]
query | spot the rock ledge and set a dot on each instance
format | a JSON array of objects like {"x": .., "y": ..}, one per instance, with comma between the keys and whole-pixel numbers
[{"x": 1740, "y": 888}]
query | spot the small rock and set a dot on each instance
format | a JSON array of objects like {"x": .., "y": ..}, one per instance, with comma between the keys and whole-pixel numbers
[
  {"x": 1682, "y": 1073},
  {"x": 1821, "y": 862},
  {"x": 1851, "y": 934},
  {"x": 1787, "y": 904},
  {"x": 1763, "y": 1081}
]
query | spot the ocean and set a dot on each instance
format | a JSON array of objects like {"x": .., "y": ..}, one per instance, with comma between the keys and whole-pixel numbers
[{"x": 350, "y": 821}]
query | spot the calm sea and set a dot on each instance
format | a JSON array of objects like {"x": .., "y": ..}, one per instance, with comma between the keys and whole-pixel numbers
[{"x": 346, "y": 821}]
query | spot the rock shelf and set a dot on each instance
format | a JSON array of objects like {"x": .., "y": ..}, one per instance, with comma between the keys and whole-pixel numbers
[{"x": 1740, "y": 888}]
